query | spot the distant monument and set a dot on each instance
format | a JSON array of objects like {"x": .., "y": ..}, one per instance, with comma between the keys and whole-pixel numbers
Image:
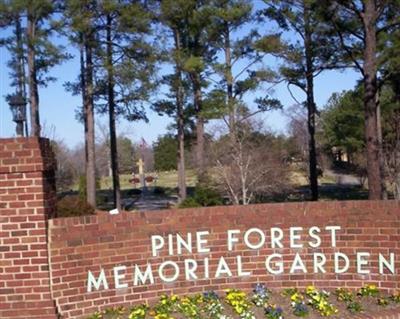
[{"x": 142, "y": 177}]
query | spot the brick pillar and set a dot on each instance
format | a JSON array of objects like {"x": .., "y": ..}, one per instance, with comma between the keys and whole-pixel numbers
[{"x": 27, "y": 198}]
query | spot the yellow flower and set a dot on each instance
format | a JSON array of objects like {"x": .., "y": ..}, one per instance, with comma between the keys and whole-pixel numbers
[{"x": 310, "y": 289}]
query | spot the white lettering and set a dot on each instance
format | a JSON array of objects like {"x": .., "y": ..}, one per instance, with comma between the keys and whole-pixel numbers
[
  {"x": 206, "y": 269},
  {"x": 277, "y": 263},
  {"x": 333, "y": 230},
  {"x": 276, "y": 237},
  {"x": 139, "y": 276},
  {"x": 294, "y": 236},
  {"x": 362, "y": 262},
  {"x": 157, "y": 242},
  {"x": 170, "y": 244},
  {"x": 231, "y": 238},
  {"x": 388, "y": 264},
  {"x": 201, "y": 241},
  {"x": 190, "y": 268},
  {"x": 92, "y": 282},
  {"x": 312, "y": 232},
  {"x": 174, "y": 276},
  {"x": 344, "y": 257},
  {"x": 223, "y": 268},
  {"x": 241, "y": 273},
  {"x": 319, "y": 264},
  {"x": 180, "y": 242},
  {"x": 260, "y": 243},
  {"x": 298, "y": 265},
  {"x": 118, "y": 277}
]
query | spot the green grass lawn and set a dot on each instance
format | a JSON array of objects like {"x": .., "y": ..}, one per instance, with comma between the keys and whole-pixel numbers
[
  {"x": 168, "y": 182},
  {"x": 168, "y": 179}
]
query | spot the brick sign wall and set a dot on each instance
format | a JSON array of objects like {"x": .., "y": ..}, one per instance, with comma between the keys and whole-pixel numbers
[
  {"x": 27, "y": 197},
  {"x": 109, "y": 255},
  {"x": 69, "y": 268}
]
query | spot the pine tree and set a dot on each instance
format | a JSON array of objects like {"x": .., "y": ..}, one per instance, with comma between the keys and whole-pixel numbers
[
  {"x": 310, "y": 53},
  {"x": 126, "y": 58},
  {"x": 34, "y": 23},
  {"x": 199, "y": 54},
  {"x": 361, "y": 27},
  {"x": 80, "y": 18},
  {"x": 173, "y": 16},
  {"x": 243, "y": 50},
  {"x": 229, "y": 17}
]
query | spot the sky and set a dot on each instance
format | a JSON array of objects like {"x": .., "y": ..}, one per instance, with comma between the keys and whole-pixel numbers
[{"x": 57, "y": 107}]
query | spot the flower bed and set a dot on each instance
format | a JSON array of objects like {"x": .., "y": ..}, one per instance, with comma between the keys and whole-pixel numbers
[{"x": 263, "y": 303}]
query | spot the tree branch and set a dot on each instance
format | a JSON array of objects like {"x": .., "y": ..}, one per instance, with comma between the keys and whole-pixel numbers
[
  {"x": 347, "y": 49},
  {"x": 291, "y": 93},
  {"x": 258, "y": 59}
]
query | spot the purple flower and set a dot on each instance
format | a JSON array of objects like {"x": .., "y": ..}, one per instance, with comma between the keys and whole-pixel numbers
[
  {"x": 260, "y": 290},
  {"x": 210, "y": 295}
]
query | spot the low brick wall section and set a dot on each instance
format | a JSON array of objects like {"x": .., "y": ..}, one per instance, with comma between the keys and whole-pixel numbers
[{"x": 109, "y": 255}]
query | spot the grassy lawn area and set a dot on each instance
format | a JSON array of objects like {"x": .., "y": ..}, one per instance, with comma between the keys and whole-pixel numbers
[
  {"x": 167, "y": 182},
  {"x": 167, "y": 179}
]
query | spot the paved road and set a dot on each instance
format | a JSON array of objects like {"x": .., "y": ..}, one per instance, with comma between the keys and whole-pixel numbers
[
  {"x": 343, "y": 179},
  {"x": 149, "y": 202}
]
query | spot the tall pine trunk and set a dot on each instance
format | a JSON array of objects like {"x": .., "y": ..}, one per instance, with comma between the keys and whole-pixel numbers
[
  {"x": 229, "y": 80},
  {"x": 111, "y": 113},
  {"x": 33, "y": 85},
  {"x": 82, "y": 83},
  {"x": 181, "y": 150},
  {"x": 89, "y": 126},
  {"x": 180, "y": 121},
  {"x": 311, "y": 107},
  {"x": 380, "y": 143},
  {"x": 21, "y": 78},
  {"x": 374, "y": 155},
  {"x": 200, "y": 150}
]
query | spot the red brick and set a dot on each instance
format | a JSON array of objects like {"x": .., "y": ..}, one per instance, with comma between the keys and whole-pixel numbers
[
  {"x": 25, "y": 226},
  {"x": 89, "y": 243}
]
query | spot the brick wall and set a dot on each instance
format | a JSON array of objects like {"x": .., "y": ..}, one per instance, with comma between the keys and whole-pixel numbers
[
  {"x": 79, "y": 245},
  {"x": 26, "y": 199},
  {"x": 33, "y": 287}
]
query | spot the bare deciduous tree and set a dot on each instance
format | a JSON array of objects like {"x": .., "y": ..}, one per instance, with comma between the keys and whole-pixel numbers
[
  {"x": 297, "y": 128},
  {"x": 247, "y": 167}
]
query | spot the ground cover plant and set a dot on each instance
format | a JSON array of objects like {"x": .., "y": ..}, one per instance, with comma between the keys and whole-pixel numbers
[{"x": 261, "y": 303}]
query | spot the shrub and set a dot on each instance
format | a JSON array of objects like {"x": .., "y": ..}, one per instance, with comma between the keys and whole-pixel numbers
[
  {"x": 207, "y": 196},
  {"x": 202, "y": 197},
  {"x": 189, "y": 202},
  {"x": 82, "y": 185},
  {"x": 158, "y": 190},
  {"x": 73, "y": 205},
  {"x": 134, "y": 192}
]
